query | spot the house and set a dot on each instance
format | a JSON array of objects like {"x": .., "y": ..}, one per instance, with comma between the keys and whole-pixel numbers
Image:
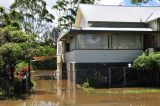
[{"x": 106, "y": 36}]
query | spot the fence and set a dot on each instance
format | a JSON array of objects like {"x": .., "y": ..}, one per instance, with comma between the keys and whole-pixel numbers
[{"x": 103, "y": 75}]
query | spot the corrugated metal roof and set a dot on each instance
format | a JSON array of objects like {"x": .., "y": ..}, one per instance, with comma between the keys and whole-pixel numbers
[
  {"x": 154, "y": 16},
  {"x": 116, "y": 13}
]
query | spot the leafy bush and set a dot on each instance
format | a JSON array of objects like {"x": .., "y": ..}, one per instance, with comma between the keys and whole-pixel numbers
[
  {"x": 20, "y": 86},
  {"x": 86, "y": 84},
  {"x": 94, "y": 81},
  {"x": 147, "y": 62},
  {"x": 21, "y": 65}
]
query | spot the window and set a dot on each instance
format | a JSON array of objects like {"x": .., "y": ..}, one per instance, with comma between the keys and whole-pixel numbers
[
  {"x": 123, "y": 41},
  {"x": 92, "y": 41},
  {"x": 113, "y": 41},
  {"x": 67, "y": 47}
]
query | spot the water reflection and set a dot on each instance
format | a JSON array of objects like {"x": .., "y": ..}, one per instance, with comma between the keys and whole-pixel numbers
[{"x": 50, "y": 92}]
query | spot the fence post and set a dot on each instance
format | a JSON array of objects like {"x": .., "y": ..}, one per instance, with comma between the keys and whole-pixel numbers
[
  {"x": 110, "y": 79},
  {"x": 124, "y": 73},
  {"x": 157, "y": 78},
  {"x": 74, "y": 81},
  {"x": 74, "y": 73}
]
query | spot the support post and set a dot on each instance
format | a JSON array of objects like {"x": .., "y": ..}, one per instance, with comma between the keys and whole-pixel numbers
[
  {"x": 29, "y": 70},
  {"x": 124, "y": 73},
  {"x": 157, "y": 78},
  {"x": 59, "y": 71},
  {"x": 110, "y": 77},
  {"x": 74, "y": 82}
]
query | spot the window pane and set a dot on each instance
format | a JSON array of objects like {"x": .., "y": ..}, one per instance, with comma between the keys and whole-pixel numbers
[
  {"x": 120, "y": 41},
  {"x": 80, "y": 43},
  {"x": 92, "y": 41}
]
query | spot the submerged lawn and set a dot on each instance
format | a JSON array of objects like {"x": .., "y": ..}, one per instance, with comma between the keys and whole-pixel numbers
[{"x": 122, "y": 90}]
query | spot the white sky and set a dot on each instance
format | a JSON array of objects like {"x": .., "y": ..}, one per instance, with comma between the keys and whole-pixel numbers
[
  {"x": 7, "y": 3},
  {"x": 110, "y": 2}
]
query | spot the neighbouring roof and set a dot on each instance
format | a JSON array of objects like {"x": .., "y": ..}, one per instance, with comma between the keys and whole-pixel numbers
[
  {"x": 43, "y": 58},
  {"x": 106, "y": 13}
]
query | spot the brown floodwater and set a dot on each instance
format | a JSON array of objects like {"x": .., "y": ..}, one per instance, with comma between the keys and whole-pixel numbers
[{"x": 50, "y": 92}]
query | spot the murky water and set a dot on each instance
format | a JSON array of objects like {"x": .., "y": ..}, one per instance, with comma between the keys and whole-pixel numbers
[{"x": 49, "y": 92}]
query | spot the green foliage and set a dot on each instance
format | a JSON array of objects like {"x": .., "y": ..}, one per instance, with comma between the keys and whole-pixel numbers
[
  {"x": 52, "y": 36},
  {"x": 20, "y": 65},
  {"x": 13, "y": 50},
  {"x": 67, "y": 11},
  {"x": 139, "y": 2},
  {"x": 147, "y": 62},
  {"x": 44, "y": 65},
  {"x": 12, "y": 34},
  {"x": 20, "y": 86},
  {"x": 11, "y": 18},
  {"x": 94, "y": 82},
  {"x": 35, "y": 18},
  {"x": 17, "y": 46},
  {"x": 1, "y": 9},
  {"x": 43, "y": 51},
  {"x": 86, "y": 84}
]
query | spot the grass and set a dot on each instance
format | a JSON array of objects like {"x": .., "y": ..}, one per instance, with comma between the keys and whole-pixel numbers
[
  {"x": 122, "y": 91},
  {"x": 151, "y": 90}
]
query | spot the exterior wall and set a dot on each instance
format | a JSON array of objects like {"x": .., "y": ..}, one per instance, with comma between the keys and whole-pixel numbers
[
  {"x": 153, "y": 25},
  {"x": 83, "y": 22},
  {"x": 101, "y": 56},
  {"x": 158, "y": 24},
  {"x": 70, "y": 57},
  {"x": 80, "y": 20}
]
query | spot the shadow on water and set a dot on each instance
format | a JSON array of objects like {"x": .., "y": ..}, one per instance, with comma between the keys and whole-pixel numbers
[
  {"x": 46, "y": 77},
  {"x": 50, "y": 92}
]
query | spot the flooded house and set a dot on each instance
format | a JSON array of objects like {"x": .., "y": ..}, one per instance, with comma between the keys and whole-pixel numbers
[{"x": 105, "y": 37}]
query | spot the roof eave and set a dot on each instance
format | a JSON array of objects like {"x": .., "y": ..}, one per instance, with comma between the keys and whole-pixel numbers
[{"x": 82, "y": 31}]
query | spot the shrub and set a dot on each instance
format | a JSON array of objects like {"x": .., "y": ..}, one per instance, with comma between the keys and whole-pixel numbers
[
  {"x": 93, "y": 82},
  {"x": 147, "y": 62}
]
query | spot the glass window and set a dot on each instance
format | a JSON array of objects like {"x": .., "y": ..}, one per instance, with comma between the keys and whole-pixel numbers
[
  {"x": 92, "y": 41},
  {"x": 121, "y": 41}
]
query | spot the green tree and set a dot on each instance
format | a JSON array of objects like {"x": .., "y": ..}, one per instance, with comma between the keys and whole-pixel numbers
[
  {"x": 12, "y": 18},
  {"x": 36, "y": 18},
  {"x": 66, "y": 11},
  {"x": 139, "y": 2},
  {"x": 51, "y": 37},
  {"x": 13, "y": 49}
]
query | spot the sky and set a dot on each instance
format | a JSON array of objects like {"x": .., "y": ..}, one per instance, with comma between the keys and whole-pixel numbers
[
  {"x": 7, "y": 3},
  {"x": 128, "y": 3}
]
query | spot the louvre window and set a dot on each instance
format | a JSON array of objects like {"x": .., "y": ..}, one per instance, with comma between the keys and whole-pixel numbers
[
  {"x": 112, "y": 41},
  {"x": 121, "y": 41},
  {"x": 92, "y": 41}
]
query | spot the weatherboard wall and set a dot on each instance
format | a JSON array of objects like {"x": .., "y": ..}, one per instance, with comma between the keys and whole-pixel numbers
[{"x": 101, "y": 56}]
